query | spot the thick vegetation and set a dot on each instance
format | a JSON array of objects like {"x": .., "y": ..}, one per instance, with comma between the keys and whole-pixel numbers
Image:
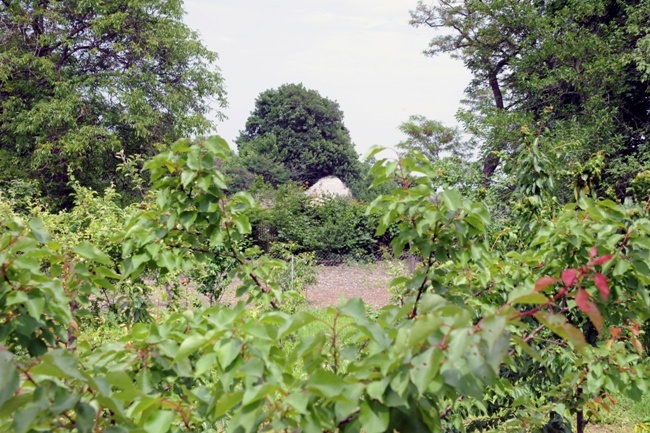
[
  {"x": 82, "y": 81},
  {"x": 296, "y": 134},
  {"x": 511, "y": 330},
  {"x": 580, "y": 65},
  {"x": 526, "y": 309},
  {"x": 333, "y": 228}
]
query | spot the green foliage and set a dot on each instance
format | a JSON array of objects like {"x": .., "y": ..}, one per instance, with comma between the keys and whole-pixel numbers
[
  {"x": 80, "y": 81},
  {"x": 576, "y": 64},
  {"x": 295, "y": 134},
  {"x": 215, "y": 275},
  {"x": 333, "y": 228},
  {"x": 431, "y": 138},
  {"x": 301, "y": 272},
  {"x": 513, "y": 336}
]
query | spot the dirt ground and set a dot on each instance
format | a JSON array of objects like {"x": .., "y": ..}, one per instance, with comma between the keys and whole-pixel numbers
[{"x": 368, "y": 282}]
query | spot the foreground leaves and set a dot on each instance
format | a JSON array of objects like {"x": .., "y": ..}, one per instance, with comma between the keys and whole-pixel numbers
[{"x": 476, "y": 332}]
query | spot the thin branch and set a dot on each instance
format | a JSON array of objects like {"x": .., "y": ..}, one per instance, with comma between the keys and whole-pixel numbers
[{"x": 422, "y": 287}]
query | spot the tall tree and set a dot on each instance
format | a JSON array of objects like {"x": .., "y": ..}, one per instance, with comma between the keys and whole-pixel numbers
[
  {"x": 577, "y": 67},
  {"x": 80, "y": 81},
  {"x": 295, "y": 132}
]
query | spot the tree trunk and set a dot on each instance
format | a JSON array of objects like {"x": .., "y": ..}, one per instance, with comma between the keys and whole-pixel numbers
[{"x": 491, "y": 161}]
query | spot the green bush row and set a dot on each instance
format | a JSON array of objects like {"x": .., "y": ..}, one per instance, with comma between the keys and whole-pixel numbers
[{"x": 333, "y": 228}]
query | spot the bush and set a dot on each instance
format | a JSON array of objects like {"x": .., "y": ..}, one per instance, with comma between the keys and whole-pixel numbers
[
  {"x": 473, "y": 315},
  {"x": 333, "y": 228}
]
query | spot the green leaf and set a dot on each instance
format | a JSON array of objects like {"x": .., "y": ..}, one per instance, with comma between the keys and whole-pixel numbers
[
  {"x": 205, "y": 363},
  {"x": 559, "y": 325},
  {"x": 187, "y": 177},
  {"x": 376, "y": 389},
  {"x": 526, "y": 348},
  {"x": 226, "y": 402},
  {"x": 89, "y": 252},
  {"x": 374, "y": 417},
  {"x": 106, "y": 272},
  {"x": 36, "y": 225},
  {"x": 295, "y": 322},
  {"x": 187, "y": 218},
  {"x": 217, "y": 146},
  {"x": 120, "y": 379},
  {"x": 258, "y": 392},
  {"x": 530, "y": 299},
  {"x": 493, "y": 328},
  {"x": 9, "y": 380},
  {"x": 35, "y": 306},
  {"x": 422, "y": 328},
  {"x": 354, "y": 309},
  {"x": 227, "y": 352},
  {"x": 85, "y": 418},
  {"x": 452, "y": 199},
  {"x": 116, "y": 429},
  {"x": 374, "y": 150},
  {"x": 168, "y": 260},
  {"x": 58, "y": 363},
  {"x": 621, "y": 267},
  {"x": 159, "y": 421},
  {"x": 16, "y": 298},
  {"x": 181, "y": 146},
  {"x": 189, "y": 346},
  {"x": 299, "y": 402},
  {"x": 325, "y": 383},
  {"x": 242, "y": 223},
  {"x": 425, "y": 367},
  {"x": 23, "y": 418}
]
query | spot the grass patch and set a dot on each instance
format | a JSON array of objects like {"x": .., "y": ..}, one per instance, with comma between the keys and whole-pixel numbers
[{"x": 627, "y": 416}]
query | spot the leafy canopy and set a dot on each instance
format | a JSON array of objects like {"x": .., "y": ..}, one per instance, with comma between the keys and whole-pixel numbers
[
  {"x": 295, "y": 133},
  {"x": 431, "y": 138},
  {"x": 581, "y": 66},
  {"x": 80, "y": 81}
]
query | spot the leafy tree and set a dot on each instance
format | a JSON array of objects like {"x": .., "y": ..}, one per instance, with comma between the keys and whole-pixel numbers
[
  {"x": 431, "y": 138},
  {"x": 80, "y": 81},
  {"x": 295, "y": 133},
  {"x": 580, "y": 66},
  {"x": 448, "y": 152}
]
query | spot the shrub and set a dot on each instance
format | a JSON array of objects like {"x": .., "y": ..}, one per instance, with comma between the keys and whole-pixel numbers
[{"x": 333, "y": 228}]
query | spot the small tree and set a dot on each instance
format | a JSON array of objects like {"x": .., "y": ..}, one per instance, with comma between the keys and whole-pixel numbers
[{"x": 431, "y": 138}]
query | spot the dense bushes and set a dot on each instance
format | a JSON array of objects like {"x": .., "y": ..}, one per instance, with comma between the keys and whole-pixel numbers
[
  {"x": 510, "y": 335},
  {"x": 333, "y": 228}
]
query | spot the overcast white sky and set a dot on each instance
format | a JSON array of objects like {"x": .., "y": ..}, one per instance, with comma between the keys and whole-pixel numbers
[{"x": 361, "y": 53}]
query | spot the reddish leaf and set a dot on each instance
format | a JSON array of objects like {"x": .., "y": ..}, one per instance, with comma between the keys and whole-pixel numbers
[
  {"x": 569, "y": 276},
  {"x": 593, "y": 252},
  {"x": 601, "y": 282},
  {"x": 637, "y": 345},
  {"x": 559, "y": 325},
  {"x": 611, "y": 398},
  {"x": 615, "y": 332},
  {"x": 543, "y": 283},
  {"x": 589, "y": 308},
  {"x": 600, "y": 401},
  {"x": 602, "y": 259}
]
